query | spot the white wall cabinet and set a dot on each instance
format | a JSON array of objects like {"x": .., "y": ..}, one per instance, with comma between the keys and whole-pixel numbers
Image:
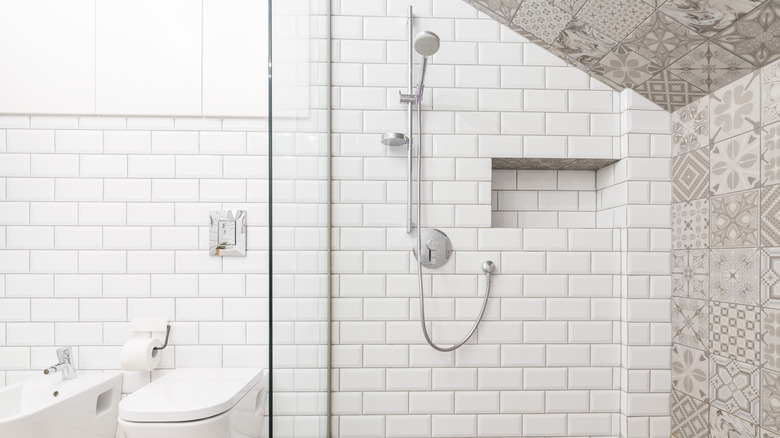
[{"x": 134, "y": 57}]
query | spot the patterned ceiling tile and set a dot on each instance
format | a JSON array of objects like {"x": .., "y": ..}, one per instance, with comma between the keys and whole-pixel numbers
[
  {"x": 627, "y": 68},
  {"x": 669, "y": 92},
  {"x": 691, "y": 127},
  {"x": 616, "y": 18},
  {"x": 734, "y": 276},
  {"x": 662, "y": 40},
  {"x": 691, "y": 175},
  {"x": 690, "y": 416},
  {"x": 708, "y": 17},
  {"x": 584, "y": 44},
  {"x": 500, "y": 10},
  {"x": 756, "y": 37},
  {"x": 541, "y": 19},
  {"x": 690, "y": 273},
  {"x": 734, "y": 387},
  {"x": 734, "y": 164},
  {"x": 725, "y": 425},
  {"x": 711, "y": 67},
  {"x": 570, "y": 6},
  {"x": 734, "y": 220},
  {"x": 770, "y": 93},
  {"x": 770, "y": 155},
  {"x": 690, "y": 371},
  {"x": 733, "y": 109}
]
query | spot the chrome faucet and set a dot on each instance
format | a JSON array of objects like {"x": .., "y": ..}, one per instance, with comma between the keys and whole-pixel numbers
[{"x": 65, "y": 356}]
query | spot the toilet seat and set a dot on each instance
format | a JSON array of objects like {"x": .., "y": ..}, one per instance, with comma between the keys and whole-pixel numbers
[{"x": 189, "y": 394}]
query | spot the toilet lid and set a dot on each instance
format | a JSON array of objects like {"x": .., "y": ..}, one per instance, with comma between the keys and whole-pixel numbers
[{"x": 189, "y": 394}]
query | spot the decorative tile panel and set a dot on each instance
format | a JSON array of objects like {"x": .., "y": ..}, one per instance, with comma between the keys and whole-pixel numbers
[
  {"x": 734, "y": 164},
  {"x": 691, "y": 175},
  {"x": 735, "y": 109},
  {"x": 690, "y": 321},
  {"x": 734, "y": 275},
  {"x": 691, "y": 224},
  {"x": 688, "y": 47},
  {"x": 770, "y": 277},
  {"x": 734, "y": 220},
  {"x": 690, "y": 371},
  {"x": 735, "y": 331},
  {"x": 725, "y": 425},
  {"x": 770, "y": 400},
  {"x": 770, "y": 216},
  {"x": 690, "y": 273},
  {"x": 690, "y": 417},
  {"x": 770, "y": 350},
  {"x": 770, "y": 154},
  {"x": 691, "y": 127},
  {"x": 734, "y": 387}
]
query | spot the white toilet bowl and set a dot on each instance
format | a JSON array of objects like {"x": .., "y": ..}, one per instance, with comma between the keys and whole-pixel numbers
[{"x": 197, "y": 403}]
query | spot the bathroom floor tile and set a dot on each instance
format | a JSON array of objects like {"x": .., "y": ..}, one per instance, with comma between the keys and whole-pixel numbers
[
  {"x": 770, "y": 216},
  {"x": 691, "y": 127},
  {"x": 755, "y": 37},
  {"x": 710, "y": 67},
  {"x": 691, "y": 224},
  {"x": 691, "y": 175},
  {"x": 584, "y": 44},
  {"x": 690, "y": 323},
  {"x": 770, "y": 400},
  {"x": 734, "y": 276},
  {"x": 690, "y": 417},
  {"x": 708, "y": 17},
  {"x": 734, "y": 109},
  {"x": 690, "y": 273},
  {"x": 734, "y": 387},
  {"x": 616, "y": 18},
  {"x": 662, "y": 40},
  {"x": 734, "y": 220},
  {"x": 770, "y": 155},
  {"x": 735, "y": 331},
  {"x": 690, "y": 371},
  {"x": 734, "y": 164},
  {"x": 669, "y": 91}
]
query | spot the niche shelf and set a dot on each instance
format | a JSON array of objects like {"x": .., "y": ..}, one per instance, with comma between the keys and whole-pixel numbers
[{"x": 551, "y": 163}]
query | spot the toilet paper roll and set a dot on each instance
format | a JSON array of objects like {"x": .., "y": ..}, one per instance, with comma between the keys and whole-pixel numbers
[{"x": 139, "y": 354}]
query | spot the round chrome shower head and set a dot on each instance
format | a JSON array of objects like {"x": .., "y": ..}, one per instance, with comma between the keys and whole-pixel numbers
[
  {"x": 426, "y": 43},
  {"x": 394, "y": 139}
]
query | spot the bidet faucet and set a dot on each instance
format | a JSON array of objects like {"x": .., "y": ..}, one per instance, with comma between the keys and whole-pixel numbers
[{"x": 65, "y": 356}]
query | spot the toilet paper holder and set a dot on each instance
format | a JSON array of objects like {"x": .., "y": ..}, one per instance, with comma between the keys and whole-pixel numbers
[{"x": 152, "y": 325}]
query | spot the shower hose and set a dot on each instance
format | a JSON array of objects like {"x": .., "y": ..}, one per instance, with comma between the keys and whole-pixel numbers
[{"x": 487, "y": 267}]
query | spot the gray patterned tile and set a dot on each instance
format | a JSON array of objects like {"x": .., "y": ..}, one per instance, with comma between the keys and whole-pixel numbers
[
  {"x": 626, "y": 68},
  {"x": 570, "y": 6},
  {"x": 725, "y": 425},
  {"x": 690, "y": 371},
  {"x": 708, "y": 17},
  {"x": 770, "y": 216},
  {"x": 690, "y": 416},
  {"x": 690, "y": 323},
  {"x": 616, "y": 18},
  {"x": 691, "y": 127},
  {"x": 500, "y": 10},
  {"x": 710, "y": 67},
  {"x": 770, "y": 277},
  {"x": 770, "y": 400},
  {"x": 691, "y": 175},
  {"x": 770, "y": 349},
  {"x": 669, "y": 92},
  {"x": 770, "y": 93},
  {"x": 541, "y": 19},
  {"x": 735, "y": 331},
  {"x": 734, "y": 387},
  {"x": 735, "y": 275},
  {"x": 662, "y": 40},
  {"x": 734, "y": 109},
  {"x": 755, "y": 37},
  {"x": 734, "y": 220},
  {"x": 583, "y": 44},
  {"x": 691, "y": 273},
  {"x": 691, "y": 224},
  {"x": 734, "y": 164},
  {"x": 770, "y": 155}
]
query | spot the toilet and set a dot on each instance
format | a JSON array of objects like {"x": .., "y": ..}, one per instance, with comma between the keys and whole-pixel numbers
[{"x": 197, "y": 403}]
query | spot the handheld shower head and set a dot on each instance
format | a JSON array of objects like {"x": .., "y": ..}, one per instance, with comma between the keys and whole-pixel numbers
[
  {"x": 394, "y": 139},
  {"x": 427, "y": 43}
]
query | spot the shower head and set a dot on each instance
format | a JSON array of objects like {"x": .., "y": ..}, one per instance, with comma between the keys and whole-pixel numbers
[
  {"x": 426, "y": 43},
  {"x": 394, "y": 139}
]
